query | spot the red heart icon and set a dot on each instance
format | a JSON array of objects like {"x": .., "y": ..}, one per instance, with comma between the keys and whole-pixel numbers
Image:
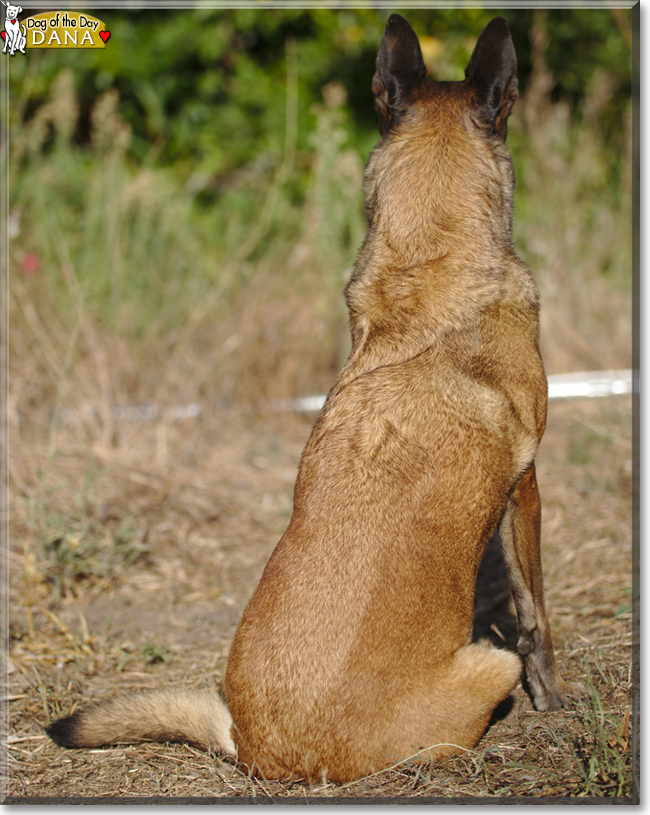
[
  {"x": 104, "y": 35},
  {"x": 3, "y": 34}
]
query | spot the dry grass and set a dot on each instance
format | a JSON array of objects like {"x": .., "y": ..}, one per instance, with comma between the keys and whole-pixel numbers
[{"x": 211, "y": 496}]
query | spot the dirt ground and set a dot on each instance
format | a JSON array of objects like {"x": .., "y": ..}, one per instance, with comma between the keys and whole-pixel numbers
[{"x": 130, "y": 564}]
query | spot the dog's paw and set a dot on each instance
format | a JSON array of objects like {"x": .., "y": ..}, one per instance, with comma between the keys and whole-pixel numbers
[
  {"x": 563, "y": 695},
  {"x": 575, "y": 692}
]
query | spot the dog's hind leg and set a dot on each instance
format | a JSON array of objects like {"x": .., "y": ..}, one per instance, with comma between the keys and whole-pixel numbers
[
  {"x": 520, "y": 542},
  {"x": 450, "y": 712}
]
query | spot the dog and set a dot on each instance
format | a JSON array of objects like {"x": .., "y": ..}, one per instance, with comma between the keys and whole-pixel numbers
[
  {"x": 16, "y": 35},
  {"x": 354, "y": 653}
]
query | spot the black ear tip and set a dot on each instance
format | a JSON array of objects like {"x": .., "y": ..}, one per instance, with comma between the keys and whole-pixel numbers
[
  {"x": 494, "y": 43},
  {"x": 498, "y": 27},
  {"x": 498, "y": 24},
  {"x": 397, "y": 22}
]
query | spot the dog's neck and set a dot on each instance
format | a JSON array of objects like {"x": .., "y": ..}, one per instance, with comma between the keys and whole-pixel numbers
[
  {"x": 444, "y": 209},
  {"x": 439, "y": 246}
]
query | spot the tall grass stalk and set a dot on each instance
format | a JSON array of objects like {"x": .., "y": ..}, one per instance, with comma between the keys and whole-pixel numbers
[{"x": 573, "y": 220}]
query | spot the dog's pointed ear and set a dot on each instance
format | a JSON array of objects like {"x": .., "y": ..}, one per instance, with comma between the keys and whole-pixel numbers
[
  {"x": 400, "y": 68},
  {"x": 492, "y": 73}
]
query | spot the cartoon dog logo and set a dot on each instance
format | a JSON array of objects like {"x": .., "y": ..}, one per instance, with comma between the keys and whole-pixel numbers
[{"x": 15, "y": 34}]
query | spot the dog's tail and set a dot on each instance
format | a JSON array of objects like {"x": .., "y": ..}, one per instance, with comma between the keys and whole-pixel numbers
[{"x": 198, "y": 717}]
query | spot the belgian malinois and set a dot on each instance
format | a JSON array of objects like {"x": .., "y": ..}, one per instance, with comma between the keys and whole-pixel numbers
[{"x": 354, "y": 652}]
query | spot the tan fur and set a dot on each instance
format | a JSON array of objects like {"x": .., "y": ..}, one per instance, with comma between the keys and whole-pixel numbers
[
  {"x": 355, "y": 651},
  {"x": 195, "y": 716}
]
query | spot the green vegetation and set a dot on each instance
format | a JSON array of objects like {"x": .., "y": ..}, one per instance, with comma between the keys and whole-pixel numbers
[
  {"x": 199, "y": 181},
  {"x": 203, "y": 87}
]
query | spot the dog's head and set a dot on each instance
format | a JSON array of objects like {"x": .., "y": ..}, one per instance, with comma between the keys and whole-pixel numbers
[
  {"x": 490, "y": 85},
  {"x": 12, "y": 11},
  {"x": 441, "y": 174}
]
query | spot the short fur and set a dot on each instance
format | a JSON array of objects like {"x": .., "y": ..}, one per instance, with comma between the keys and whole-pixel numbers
[{"x": 355, "y": 651}]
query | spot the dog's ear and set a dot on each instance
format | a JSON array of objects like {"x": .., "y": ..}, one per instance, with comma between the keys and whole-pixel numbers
[
  {"x": 492, "y": 73},
  {"x": 400, "y": 68}
]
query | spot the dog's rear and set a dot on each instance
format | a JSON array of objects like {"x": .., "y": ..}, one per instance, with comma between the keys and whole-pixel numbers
[{"x": 355, "y": 650}]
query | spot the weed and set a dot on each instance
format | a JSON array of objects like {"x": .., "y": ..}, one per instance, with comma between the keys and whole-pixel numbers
[
  {"x": 602, "y": 754},
  {"x": 149, "y": 653},
  {"x": 596, "y": 750},
  {"x": 156, "y": 652},
  {"x": 81, "y": 548}
]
